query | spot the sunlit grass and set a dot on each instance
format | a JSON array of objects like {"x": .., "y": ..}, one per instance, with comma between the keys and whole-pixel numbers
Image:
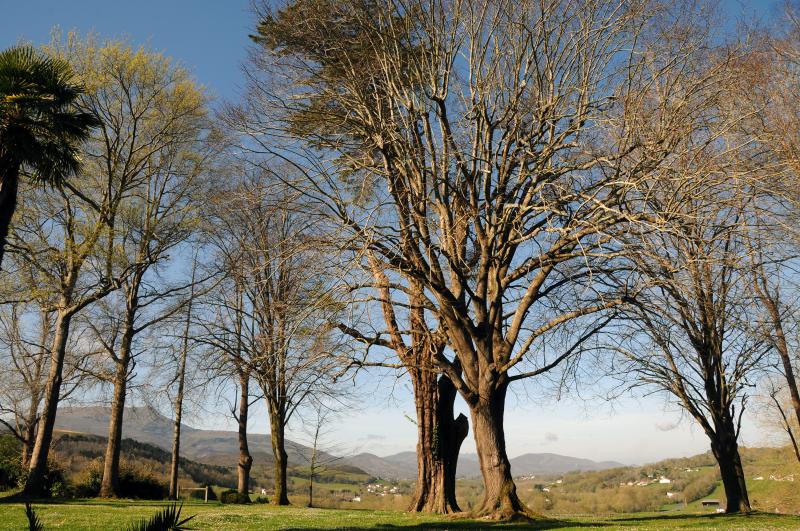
[{"x": 116, "y": 514}]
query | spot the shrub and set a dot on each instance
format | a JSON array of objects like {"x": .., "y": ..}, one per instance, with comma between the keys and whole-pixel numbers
[
  {"x": 134, "y": 482},
  {"x": 233, "y": 496},
  {"x": 54, "y": 481},
  {"x": 10, "y": 462},
  {"x": 262, "y": 499}
]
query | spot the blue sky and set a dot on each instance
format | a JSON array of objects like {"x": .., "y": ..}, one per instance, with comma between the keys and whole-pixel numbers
[{"x": 209, "y": 37}]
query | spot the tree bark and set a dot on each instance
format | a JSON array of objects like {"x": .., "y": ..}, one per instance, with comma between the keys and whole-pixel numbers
[
  {"x": 109, "y": 487},
  {"x": 34, "y": 486},
  {"x": 779, "y": 340},
  {"x": 726, "y": 451},
  {"x": 245, "y": 459},
  {"x": 439, "y": 438},
  {"x": 281, "y": 494},
  {"x": 30, "y": 428},
  {"x": 9, "y": 184},
  {"x": 176, "y": 428},
  {"x": 500, "y": 499}
]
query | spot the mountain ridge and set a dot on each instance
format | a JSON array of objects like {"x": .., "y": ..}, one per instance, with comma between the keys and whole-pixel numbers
[{"x": 220, "y": 447}]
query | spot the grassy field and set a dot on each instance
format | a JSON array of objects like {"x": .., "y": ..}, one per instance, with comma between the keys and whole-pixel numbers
[{"x": 98, "y": 515}]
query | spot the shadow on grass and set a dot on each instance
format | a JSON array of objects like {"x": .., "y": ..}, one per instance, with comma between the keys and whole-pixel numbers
[
  {"x": 456, "y": 524},
  {"x": 717, "y": 517},
  {"x": 19, "y": 498}
]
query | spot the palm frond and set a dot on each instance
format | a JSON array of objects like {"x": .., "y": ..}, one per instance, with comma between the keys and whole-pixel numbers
[
  {"x": 34, "y": 524},
  {"x": 40, "y": 123},
  {"x": 168, "y": 519}
]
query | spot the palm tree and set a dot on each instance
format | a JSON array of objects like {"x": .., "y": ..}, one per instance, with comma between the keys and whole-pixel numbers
[{"x": 41, "y": 127}]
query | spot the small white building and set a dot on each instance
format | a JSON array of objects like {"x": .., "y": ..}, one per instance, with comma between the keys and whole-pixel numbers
[
  {"x": 356, "y": 499},
  {"x": 664, "y": 481}
]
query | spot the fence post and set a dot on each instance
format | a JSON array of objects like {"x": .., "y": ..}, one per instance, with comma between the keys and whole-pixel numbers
[{"x": 206, "y": 500}]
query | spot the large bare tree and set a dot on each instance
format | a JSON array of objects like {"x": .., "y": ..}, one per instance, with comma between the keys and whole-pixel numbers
[{"x": 474, "y": 147}]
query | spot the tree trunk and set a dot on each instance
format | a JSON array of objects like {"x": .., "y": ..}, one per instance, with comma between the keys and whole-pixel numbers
[
  {"x": 726, "y": 452},
  {"x": 176, "y": 429},
  {"x": 500, "y": 499},
  {"x": 34, "y": 486},
  {"x": 439, "y": 438},
  {"x": 9, "y": 183},
  {"x": 109, "y": 487},
  {"x": 31, "y": 421},
  {"x": 783, "y": 351},
  {"x": 27, "y": 444},
  {"x": 281, "y": 495},
  {"x": 245, "y": 459}
]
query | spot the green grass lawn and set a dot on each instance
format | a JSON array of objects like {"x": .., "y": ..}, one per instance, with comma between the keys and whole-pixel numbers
[{"x": 98, "y": 515}]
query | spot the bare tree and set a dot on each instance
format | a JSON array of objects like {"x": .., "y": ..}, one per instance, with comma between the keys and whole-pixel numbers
[
  {"x": 688, "y": 330},
  {"x": 318, "y": 427},
  {"x": 228, "y": 331},
  {"x": 468, "y": 145},
  {"x": 180, "y": 379},
  {"x": 60, "y": 233},
  {"x": 285, "y": 300},
  {"x": 26, "y": 330}
]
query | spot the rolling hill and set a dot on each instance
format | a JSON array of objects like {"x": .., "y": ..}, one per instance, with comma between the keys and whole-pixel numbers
[
  {"x": 404, "y": 465},
  {"x": 219, "y": 447}
]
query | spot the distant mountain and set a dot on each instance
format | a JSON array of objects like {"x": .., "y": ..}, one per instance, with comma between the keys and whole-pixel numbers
[
  {"x": 527, "y": 464},
  {"x": 207, "y": 446},
  {"x": 404, "y": 465},
  {"x": 219, "y": 447}
]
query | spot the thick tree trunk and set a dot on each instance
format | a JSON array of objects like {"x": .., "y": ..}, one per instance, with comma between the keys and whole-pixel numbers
[
  {"x": 30, "y": 429},
  {"x": 38, "y": 463},
  {"x": 27, "y": 445},
  {"x": 439, "y": 438},
  {"x": 726, "y": 452},
  {"x": 281, "y": 494},
  {"x": 245, "y": 459},
  {"x": 109, "y": 487},
  {"x": 500, "y": 499},
  {"x": 9, "y": 183}
]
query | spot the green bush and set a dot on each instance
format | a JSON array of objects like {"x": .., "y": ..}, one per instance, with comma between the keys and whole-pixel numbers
[
  {"x": 233, "y": 496},
  {"x": 201, "y": 495},
  {"x": 262, "y": 499},
  {"x": 54, "y": 481},
  {"x": 10, "y": 462},
  {"x": 134, "y": 482}
]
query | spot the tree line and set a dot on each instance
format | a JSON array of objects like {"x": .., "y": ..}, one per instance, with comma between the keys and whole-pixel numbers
[{"x": 470, "y": 192}]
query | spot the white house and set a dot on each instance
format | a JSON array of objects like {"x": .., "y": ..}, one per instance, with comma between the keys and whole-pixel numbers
[{"x": 664, "y": 481}]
